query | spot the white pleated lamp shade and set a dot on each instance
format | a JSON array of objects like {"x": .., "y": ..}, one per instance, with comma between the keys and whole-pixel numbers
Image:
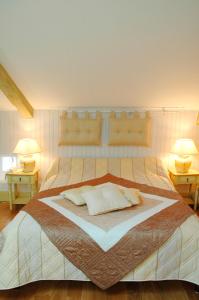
[
  {"x": 184, "y": 147},
  {"x": 27, "y": 147}
]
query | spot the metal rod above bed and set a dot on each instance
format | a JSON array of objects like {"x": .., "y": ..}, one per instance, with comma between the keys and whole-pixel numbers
[{"x": 123, "y": 108}]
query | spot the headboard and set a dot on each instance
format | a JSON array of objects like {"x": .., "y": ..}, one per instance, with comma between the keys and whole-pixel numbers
[
  {"x": 130, "y": 130},
  {"x": 76, "y": 131}
]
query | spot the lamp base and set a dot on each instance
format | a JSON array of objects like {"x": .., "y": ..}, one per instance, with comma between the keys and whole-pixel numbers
[
  {"x": 183, "y": 164},
  {"x": 27, "y": 165}
]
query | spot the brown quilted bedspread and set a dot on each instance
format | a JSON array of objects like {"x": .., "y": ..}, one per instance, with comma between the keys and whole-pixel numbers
[{"x": 107, "y": 268}]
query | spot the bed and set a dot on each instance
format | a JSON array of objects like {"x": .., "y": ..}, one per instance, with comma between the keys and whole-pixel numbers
[{"x": 30, "y": 252}]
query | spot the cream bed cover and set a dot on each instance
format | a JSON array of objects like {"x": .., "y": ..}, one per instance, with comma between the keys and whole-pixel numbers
[{"x": 28, "y": 255}]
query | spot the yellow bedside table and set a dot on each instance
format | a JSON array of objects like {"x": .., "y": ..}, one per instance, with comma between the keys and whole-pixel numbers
[
  {"x": 191, "y": 178},
  {"x": 20, "y": 178}
]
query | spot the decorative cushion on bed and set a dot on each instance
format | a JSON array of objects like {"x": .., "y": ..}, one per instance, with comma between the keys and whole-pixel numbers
[
  {"x": 75, "y": 195},
  {"x": 132, "y": 195},
  {"x": 76, "y": 131},
  {"x": 105, "y": 199}
]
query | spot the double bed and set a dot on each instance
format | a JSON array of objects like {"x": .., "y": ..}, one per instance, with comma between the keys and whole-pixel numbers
[{"x": 51, "y": 239}]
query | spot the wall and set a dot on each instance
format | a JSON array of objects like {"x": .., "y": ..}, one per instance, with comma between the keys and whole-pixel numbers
[
  {"x": 96, "y": 52},
  {"x": 166, "y": 128}
]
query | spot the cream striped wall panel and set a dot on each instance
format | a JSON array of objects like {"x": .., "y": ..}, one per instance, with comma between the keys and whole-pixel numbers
[{"x": 166, "y": 128}]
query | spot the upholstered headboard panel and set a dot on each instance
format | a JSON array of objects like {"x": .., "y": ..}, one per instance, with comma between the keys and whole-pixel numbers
[
  {"x": 132, "y": 130},
  {"x": 76, "y": 131}
]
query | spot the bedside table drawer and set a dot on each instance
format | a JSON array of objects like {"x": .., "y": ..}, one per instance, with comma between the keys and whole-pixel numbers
[
  {"x": 16, "y": 181},
  {"x": 186, "y": 179},
  {"x": 19, "y": 179}
]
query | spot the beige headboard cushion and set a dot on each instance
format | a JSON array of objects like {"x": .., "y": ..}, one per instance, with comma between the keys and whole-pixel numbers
[
  {"x": 76, "y": 131},
  {"x": 133, "y": 130}
]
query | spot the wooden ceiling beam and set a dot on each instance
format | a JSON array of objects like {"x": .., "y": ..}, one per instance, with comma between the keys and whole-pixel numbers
[{"x": 14, "y": 95}]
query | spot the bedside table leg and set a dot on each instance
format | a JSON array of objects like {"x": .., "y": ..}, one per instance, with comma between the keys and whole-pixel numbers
[
  {"x": 10, "y": 195},
  {"x": 33, "y": 189},
  {"x": 196, "y": 198}
]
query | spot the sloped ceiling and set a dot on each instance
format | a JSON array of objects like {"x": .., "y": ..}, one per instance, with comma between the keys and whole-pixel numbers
[{"x": 97, "y": 52}]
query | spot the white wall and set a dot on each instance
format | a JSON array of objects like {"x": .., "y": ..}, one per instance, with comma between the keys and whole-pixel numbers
[
  {"x": 102, "y": 52},
  {"x": 167, "y": 127}
]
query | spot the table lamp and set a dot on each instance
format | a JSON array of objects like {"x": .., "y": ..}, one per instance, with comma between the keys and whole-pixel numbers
[
  {"x": 26, "y": 148},
  {"x": 184, "y": 148}
]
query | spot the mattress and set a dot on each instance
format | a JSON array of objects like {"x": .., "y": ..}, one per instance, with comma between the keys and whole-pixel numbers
[{"x": 28, "y": 254}]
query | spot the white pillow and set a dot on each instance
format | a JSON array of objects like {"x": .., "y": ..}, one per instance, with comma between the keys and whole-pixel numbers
[
  {"x": 132, "y": 195},
  {"x": 104, "y": 199},
  {"x": 75, "y": 195}
]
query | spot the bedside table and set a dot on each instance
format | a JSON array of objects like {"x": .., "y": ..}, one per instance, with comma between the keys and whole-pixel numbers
[
  {"x": 191, "y": 178},
  {"x": 20, "y": 178}
]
